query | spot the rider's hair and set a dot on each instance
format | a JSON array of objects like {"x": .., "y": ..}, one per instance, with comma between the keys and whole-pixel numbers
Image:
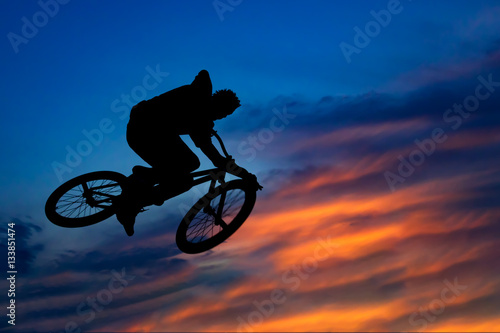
[{"x": 226, "y": 101}]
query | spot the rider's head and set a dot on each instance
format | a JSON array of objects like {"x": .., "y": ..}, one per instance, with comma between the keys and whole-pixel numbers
[{"x": 224, "y": 102}]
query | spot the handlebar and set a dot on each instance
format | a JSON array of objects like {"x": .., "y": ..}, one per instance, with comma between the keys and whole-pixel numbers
[{"x": 257, "y": 185}]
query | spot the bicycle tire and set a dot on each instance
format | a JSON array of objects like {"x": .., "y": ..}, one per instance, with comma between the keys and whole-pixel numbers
[
  {"x": 67, "y": 209},
  {"x": 189, "y": 222}
]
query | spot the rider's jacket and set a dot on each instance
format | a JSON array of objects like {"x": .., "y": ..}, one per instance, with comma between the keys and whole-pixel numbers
[{"x": 183, "y": 110}]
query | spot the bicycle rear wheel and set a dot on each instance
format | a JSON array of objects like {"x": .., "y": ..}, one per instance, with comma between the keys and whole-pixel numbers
[
  {"x": 215, "y": 217},
  {"x": 84, "y": 200}
]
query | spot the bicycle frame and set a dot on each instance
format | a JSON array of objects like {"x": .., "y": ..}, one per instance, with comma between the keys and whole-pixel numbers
[
  {"x": 214, "y": 175},
  {"x": 91, "y": 197},
  {"x": 211, "y": 175}
]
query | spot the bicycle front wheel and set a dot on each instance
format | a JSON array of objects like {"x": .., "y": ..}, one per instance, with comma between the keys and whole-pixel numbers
[
  {"x": 84, "y": 200},
  {"x": 215, "y": 217}
]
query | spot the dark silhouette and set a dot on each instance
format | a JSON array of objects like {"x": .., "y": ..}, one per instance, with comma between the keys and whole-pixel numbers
[
  {"x": 153, "y": 132},
  {"x": 93, "y": 197}
]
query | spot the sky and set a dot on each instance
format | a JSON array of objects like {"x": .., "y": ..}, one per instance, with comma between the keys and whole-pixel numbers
[{"x": 380, "y": 207}]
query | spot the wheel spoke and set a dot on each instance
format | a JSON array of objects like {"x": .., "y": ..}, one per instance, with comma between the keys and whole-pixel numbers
[
  {"x": 105, "y": 186},
  {"x": 212, "y": 220},
  {"x": 198, "y": 226},
  {"x": 203, "y": 227},
  {"x": 73, "y": 203}
]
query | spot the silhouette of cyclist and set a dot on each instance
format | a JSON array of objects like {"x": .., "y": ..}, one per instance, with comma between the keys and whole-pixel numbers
[{"x": 153, "y": 132}]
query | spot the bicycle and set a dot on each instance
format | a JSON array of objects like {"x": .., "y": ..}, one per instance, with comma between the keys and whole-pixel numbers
[{"x": 92, "y": 197}]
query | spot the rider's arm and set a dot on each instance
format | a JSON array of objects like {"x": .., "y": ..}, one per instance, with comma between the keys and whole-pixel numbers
[
  {"x": 220, "y": 161},
  {"x": 212, "y": 153}
]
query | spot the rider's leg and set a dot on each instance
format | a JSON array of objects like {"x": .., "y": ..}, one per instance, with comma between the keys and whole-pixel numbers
[
  {"x": 145, "y": 142},
  {"x": 136, "y": 190},
  {"x": 175, "y": 167},
  {"x": 169, "y": 156}
]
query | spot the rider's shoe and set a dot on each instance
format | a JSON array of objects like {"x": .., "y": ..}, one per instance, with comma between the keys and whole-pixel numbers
[
  {"x": 129, "y": 203},
  {"x": 126, "y": 214}
]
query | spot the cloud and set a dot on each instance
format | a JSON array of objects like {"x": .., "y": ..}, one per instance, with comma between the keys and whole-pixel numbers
[
  {"x": 325, "y": 183},
  {"x": 26, "y": 252}
]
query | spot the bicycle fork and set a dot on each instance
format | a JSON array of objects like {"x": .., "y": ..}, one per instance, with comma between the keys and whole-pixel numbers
[
  {"x": 88, "y": 194},
  {"x": 217, "y": 215}
]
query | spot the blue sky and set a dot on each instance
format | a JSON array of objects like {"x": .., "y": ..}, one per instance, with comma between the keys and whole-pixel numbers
[
  {"x": 90, "y": 54},
  {"x": 352, "y": 121}
]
